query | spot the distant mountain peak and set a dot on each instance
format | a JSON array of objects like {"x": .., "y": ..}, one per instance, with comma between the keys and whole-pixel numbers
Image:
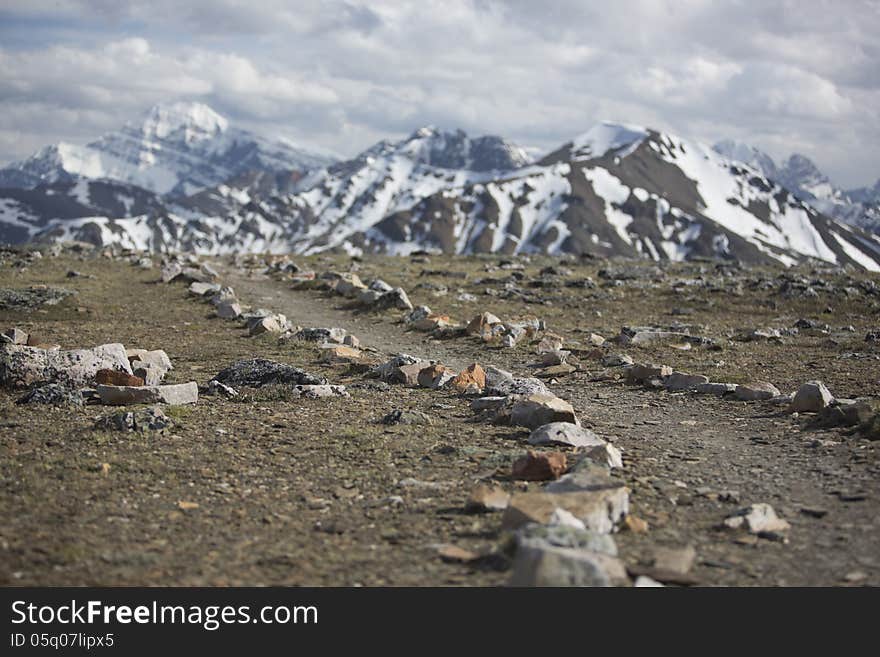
[
  {"x": 455, "y": 149},
  {"x": 174, "y": 148},
  {"x": 195, "y": 120},
  {"x": 607, "y": 136}
]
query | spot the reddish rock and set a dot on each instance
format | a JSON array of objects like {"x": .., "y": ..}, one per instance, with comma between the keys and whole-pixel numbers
[
  {"x": 473, "y": 375},
  {"x": 117, "y": 378},
  {"x": 539, "y": 466},
  {"x": 428, "y": 376}
]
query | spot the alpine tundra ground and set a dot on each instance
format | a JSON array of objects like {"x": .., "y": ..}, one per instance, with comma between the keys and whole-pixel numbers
[{"x": 267, "y": 489}]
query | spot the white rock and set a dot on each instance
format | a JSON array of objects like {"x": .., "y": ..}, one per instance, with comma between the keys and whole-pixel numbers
[
  {"x": 565, "y": 518},
  {"x": 606, "y": 454},
  {"x": 564, "y": 433},
  {"x": 757, "y": 519},
  {"x": 181, "y": 393},
  {"x": 811, "y": 397},
  {"x": 756, "y": 391}
]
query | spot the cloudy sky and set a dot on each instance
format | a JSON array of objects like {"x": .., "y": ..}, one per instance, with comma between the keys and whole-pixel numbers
[{"x": 786, "y": 76}]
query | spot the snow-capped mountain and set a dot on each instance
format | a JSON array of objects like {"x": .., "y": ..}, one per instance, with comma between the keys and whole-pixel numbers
[
  {"x": 176, "y": 149},
  {"x": 614, "y": 190},
  {"x": 859, "y": 207}
]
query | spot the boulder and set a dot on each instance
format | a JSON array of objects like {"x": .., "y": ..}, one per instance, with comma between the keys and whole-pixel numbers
[
  {"x": 256, "y": 372},
  {"x": 533, "y": 411},
  {"x": 811, "y": 397},
  {"x": 21, "y": 366},
  {"x": 756, "y": 391}
]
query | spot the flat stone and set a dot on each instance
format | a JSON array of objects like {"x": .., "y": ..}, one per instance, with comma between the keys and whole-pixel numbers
[
  {"x": 564, "y": 433},
  {"x": 683, "y": 381},
  {"x": 584, "y": 479},
  {"x": 643, "y": 371},
  {"x": 533, "y": 411},
  {"x": 599, "y": 509},
  {"x": 182, "y": 393},
  {"x": 202, "y": 289},
  {"x": 715, "y": 388},
  {"x": 539, "y": 466},
  {"x": 400, "y": 416},
  {"x": 811, "y": 397},
  {"x": 515, "y": 387},
  {"x": 339, "y": 353},
  {"x": 21, "y": 366},
  {"x": 755, "y": 391}
]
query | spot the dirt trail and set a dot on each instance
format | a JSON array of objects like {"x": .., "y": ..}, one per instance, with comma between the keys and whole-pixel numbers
[
  {"x": 683, "y": 453},
  {"x": 310, "y": 310}
]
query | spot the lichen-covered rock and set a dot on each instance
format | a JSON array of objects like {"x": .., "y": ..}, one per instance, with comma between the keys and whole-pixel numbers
[
  {"x": 54, "y": 394},
  {"x": 148, "y": 419},
  {"x": 256, "y": 372},
  {"x": 22, "y": 366}
]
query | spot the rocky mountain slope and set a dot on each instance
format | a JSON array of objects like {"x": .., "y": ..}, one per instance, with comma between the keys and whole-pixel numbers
[
  {"x": 175, "y": 149},
  {"x": 614, "y": 190},
  {"x": 859, "y": 207}
]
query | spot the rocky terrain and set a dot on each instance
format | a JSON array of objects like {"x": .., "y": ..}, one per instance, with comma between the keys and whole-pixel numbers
[{"x": 435, "y": 420}]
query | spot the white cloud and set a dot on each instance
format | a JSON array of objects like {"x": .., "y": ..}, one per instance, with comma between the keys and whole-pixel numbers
[{"x": 342, "y": 73}]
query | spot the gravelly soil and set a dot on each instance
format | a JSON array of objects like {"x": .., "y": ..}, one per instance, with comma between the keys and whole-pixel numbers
[{"x": 294, "y": 491}]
